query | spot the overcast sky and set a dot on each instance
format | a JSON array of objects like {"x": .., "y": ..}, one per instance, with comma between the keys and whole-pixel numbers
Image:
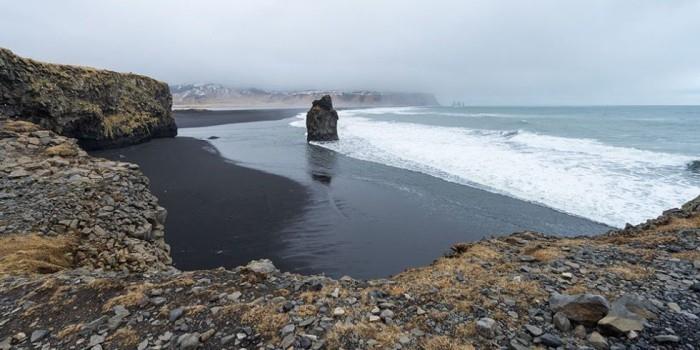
[{"x": 481, "y": 52}]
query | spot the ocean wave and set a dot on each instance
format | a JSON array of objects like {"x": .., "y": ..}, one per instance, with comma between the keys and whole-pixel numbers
[{"x": 584, "y": 177}]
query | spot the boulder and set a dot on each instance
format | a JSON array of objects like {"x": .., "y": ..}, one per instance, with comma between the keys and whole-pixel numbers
[
  {"x": 322, "y": 121},
  {"x": 100, "y": 108},
  {"x": 262, "y": 266},
  {"x": 628, "y": 313},
  {"x": 583, "y": 308}
]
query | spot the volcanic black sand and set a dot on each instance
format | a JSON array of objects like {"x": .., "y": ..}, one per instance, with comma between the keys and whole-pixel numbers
[
  {"x": 219, "y": 214},
  {"x": 322, "y": 212}
]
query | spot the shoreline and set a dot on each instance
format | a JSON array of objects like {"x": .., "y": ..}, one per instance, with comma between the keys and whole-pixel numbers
[
  {"x": 351, "y": 213},
  {"x": 213, "y": 203},
  {"x": 636, "y": 287}
]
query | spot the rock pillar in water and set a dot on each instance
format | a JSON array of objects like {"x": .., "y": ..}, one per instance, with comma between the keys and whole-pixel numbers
[{"x": 322, "y": 121}]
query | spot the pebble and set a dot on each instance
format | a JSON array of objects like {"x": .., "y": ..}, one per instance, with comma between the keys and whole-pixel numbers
[
  {"x": 486, "y": 327},
  {"x": 338, "y": 311},
  {"x": 561, "y": 322},
  {"x": 597, "y": 341},
  {"x": 667, "y": 338},
  {"x": 674, "y": 307},
  {"x": 533, "y": 330},
  {"x": 550, "y": 340},
  {"x": 189, "y": 341},
  {"x": 176, "y": 313},
  {"x": 38, "y": 335}
]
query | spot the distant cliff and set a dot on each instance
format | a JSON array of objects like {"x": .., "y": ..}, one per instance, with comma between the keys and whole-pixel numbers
[
  {"x": 213, "y": 95},
  {"x": 99, "y": 108}
]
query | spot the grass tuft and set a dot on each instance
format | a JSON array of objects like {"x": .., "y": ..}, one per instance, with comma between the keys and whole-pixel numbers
[{"x": 34, "y": 253}]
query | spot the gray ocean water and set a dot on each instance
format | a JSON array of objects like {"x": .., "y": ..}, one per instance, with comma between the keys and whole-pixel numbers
[{"x": 609, "y": 164}]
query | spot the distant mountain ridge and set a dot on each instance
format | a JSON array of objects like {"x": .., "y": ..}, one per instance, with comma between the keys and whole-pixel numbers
[{"x": 216, "y": 95}]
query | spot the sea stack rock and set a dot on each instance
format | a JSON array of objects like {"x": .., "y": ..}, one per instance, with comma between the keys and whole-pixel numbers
[
  {"x": 100, "y": 108},
  {"x": 322, "y": 121}
]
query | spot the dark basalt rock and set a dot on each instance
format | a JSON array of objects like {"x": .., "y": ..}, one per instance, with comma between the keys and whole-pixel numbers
[
  {"x": 322, "y": 121},
  {"x": 100, "y": 108}
]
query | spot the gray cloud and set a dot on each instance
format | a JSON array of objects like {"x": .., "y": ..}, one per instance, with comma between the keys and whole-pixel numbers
[{"x": 481, "y": 52}]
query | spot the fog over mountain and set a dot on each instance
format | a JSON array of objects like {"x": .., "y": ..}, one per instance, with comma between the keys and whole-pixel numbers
[{"x": 479, "y": 52}]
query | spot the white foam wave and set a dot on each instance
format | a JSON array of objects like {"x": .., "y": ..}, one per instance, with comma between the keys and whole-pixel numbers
[{"x": 609, "y": 184}]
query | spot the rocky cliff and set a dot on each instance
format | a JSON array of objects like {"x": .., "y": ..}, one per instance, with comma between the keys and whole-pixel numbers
[
  {"x": 97, "y": 107},
  {"x": 77, "y": 210},
  {"x": 214, "y": 95}
]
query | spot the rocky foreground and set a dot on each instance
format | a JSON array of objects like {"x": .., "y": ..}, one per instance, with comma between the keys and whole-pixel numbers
[{"x": 84, "y": 266}]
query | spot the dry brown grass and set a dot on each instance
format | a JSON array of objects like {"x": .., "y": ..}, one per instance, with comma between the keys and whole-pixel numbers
[
  {"x": 69, "y": 330},
  {"x": 445, "y": 343},
  {"x": 21, "y": 126},
  {"x": 267, "y": 320},
  {"x": 124, "y": 338},
  {"x": 183, "y": 280},
  {"x": 547, "y": 254},
  {"x": 306, "y": 310},
  {"x": 681, "y": 223},
  {"x": 478, "y": 250},
  {"x": 630, "y": 272},
  {"x": 309, "y": 297},
  {"x": 34, "y": 253},
  {"x": 466, "y": 330},
  {"x": 134, "y": 295},
  {"x": 578, "y": 288},
  {"x": 656, "y": 236},
  {"x": 341, "y": 333},
  {"x": 63, "y": 150},
  {"x": 103, "y": 284},
  {"x": 690, "y": 255},
  {"x": 439, "y": 283},
  {"x": 195, "y": 310}
]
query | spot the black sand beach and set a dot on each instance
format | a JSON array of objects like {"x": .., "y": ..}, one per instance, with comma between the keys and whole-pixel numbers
[
  {"x": 322, "y": 212},
  {"x": 213, "y": 204}
]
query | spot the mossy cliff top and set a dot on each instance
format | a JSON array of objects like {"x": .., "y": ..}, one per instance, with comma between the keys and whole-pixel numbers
[{"x": 100, "y": 108}]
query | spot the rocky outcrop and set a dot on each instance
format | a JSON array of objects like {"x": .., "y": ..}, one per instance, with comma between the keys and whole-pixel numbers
[
  {"x": 322, "y": 121},
  {"x": 99, "y": 108},
  {"x": 50, "y": 187}
]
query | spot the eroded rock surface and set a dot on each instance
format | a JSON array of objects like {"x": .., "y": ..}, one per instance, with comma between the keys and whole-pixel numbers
[
  {"x": 100, "y": 108},
  {"x": 322, "y": 121},
  {"x": 50, "y": 187}
]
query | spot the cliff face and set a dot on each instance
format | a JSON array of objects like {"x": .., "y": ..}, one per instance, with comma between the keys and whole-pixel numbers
[
  {"x": 100, "y": 108},
  {"x": 212, "y": 95},
  {"x": 74, "y": 209}
]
